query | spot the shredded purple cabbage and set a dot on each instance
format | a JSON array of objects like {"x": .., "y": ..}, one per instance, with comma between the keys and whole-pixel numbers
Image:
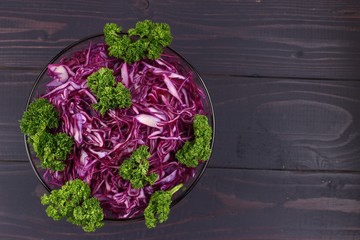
[{"x": 164, "y": 102}]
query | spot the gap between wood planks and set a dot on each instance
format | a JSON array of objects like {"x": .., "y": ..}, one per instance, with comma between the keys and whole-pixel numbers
[
  {"x": 36, "y": 69},
  {"x": 275, "y": 77},
  {"x": 287, "y": 170},
  {"x": 240, "y": 168}
]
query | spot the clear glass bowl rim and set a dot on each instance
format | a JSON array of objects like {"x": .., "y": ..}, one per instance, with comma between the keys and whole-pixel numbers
[{"x": 201, "y": 81}]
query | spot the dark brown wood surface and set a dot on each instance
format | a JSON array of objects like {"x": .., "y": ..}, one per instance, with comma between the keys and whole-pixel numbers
[{"x": 284, "y": 80}]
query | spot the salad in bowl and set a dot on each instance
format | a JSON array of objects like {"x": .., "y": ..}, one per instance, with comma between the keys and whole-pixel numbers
[{"x": 118, "y": 126}]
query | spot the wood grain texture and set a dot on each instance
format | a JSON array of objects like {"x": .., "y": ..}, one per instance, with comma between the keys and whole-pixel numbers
[
  {"x": 227, "y": 204},
  {"x": 305, "y": 39}
]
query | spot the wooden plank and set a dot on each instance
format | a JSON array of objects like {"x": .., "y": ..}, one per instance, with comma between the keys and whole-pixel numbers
[
  {"x": 39, "y": 29},
  {"x": 226, "y": 204},
  {"x": 15, "y": 88},
  {"x": 286, "y": 124},
  {"x": 305, "y": 39},
  {"x": 261, "y": 123}
]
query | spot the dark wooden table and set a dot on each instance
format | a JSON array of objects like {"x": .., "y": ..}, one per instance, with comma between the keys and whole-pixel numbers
[{"x": 284, "y": 78}]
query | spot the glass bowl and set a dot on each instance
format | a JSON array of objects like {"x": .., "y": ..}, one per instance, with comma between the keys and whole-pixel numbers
[{"x": 39, "y": 88}]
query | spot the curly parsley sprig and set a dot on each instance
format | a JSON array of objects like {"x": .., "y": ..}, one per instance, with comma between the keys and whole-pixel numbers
[
  {"x": 147, "y": 39},
  {"x": 199, "y": 149},
  {"x": 73, "y": 201},
  {"x": 52, "y": 149},
  {"x": 108, "y": 94},
  {"x": 40, "y": 115},
  {"x": 158, "y": 208},
  {"x": 135, "y": 169}
]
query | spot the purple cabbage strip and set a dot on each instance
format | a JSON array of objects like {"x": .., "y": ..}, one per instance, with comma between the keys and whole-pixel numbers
[{"x": 165, "y": 100}]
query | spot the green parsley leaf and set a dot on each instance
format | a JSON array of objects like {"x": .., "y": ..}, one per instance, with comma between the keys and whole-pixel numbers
[
  {"x": 108, "y": 94},
  {"x": 199, "y": 149},
  {"x": 89, "y": 215},
  {"x": 100, "y": 79},
  {"x": 73, "y": 202},
  {"x": 111, "y": 31},
  {"x": 111, "y": 98},
  {"x": 158, "y": 208},
  {"x": 135, "y": 169},
  {"x": 40, "y": 115},
  {"x": 147, "y": 39},
  {"x": 52, "y": 149}
]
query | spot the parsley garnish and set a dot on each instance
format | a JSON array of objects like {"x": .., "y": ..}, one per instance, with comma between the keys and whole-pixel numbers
[
  {"x": 158, "y": 208},
  {"x": 73, "y": 201},
  {"x": 147, "y": 39},
  {"x": 52, "y": 149},
  {"x": 199, "y": 149},
  {"x": 135, "y": 169},
  {"x": 108, "y": 94},
  {"x": 40, "y": 115}
]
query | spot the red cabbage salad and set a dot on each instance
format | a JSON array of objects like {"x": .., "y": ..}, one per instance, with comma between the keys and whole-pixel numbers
[{"x": 164, "y": 103}]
